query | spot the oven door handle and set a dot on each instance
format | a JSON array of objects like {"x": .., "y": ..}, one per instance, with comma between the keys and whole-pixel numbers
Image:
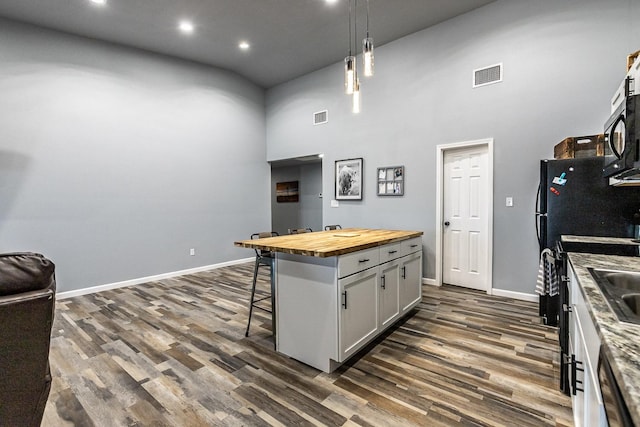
[{"x": 574, "y": 371}]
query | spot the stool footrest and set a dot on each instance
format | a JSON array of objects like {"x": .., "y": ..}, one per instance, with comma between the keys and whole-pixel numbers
[
  {"x": 268, "y": 310},
  {"x": 260, "y": 299}
]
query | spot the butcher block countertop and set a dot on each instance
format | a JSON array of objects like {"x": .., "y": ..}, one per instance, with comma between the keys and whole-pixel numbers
[{"x": 329, "y": 243}]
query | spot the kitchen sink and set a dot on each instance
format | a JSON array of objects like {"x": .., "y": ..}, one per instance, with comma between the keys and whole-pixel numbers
[
  {"x": 626, "y": 280},
  {"x": 633, "y": 302},
  {"x": 621, "y": 289}
]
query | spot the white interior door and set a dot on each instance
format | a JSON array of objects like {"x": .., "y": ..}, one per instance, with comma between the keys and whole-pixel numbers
[{"x": 465, "y": 217}]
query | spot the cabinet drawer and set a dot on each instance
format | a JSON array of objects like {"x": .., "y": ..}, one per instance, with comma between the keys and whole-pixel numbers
[
  {"x": 358, "y": 261},
  {"x": 391, "y": 251},
  {"x": 411, "y": 245}
]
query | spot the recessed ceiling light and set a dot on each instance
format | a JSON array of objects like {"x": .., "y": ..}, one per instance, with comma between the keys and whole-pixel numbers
[
  {"x": 186, "y": 27},
  {"x": 331, "y": 1},
  {"x": 100, "y": 2},
  {"x": 244, "y": 45}
]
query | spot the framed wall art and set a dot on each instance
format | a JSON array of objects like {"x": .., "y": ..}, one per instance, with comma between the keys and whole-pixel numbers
[
  {"x": 349, "y": 179},
  {"x": 287, "y": 192},
  {"x": 391, "y": 181}
]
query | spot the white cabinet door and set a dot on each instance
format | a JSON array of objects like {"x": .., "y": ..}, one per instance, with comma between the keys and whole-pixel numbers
[
  {"x": 358, "y": 311},
  {"x": 389, "y": 293},
  {"x": 410, "y": 280},
  {"x": 588, "y": 409},
  {"x": 577, "y": 374}
]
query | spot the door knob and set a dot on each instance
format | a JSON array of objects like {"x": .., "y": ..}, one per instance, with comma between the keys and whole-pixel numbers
[{"x": 447, "y": 223}]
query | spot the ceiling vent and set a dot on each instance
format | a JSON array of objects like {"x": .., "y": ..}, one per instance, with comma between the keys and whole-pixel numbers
[
  {"x": 487, "y": 75},
  {"x": 321, "y": 117}
]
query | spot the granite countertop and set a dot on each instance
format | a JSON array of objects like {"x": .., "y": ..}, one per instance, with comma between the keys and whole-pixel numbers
[
  {"x": 329, "y": 243},
  {"x": 620, "y": 340},
  {"x": 600, "y": 240}
]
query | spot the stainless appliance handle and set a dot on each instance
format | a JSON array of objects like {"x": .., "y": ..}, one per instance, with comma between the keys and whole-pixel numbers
[{"x": 620, "y": 119}]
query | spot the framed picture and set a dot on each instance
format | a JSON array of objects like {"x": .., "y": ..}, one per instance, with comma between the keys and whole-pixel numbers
[
  {"x": 391, "y": 181},
  {"x": 349, "y": 179},
  {"x": 287, "y": 192}
]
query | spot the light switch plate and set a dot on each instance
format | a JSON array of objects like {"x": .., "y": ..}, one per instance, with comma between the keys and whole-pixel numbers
[
  {"x": 509, "y": 202},
  {"x": 335, "y": 204}
]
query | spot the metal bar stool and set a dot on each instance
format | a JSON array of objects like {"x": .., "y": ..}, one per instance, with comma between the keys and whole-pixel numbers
[
  {"x": 300, "y": 230},
  {"x": 333, "y": 227},
  {"x": 264, "y": 259}
]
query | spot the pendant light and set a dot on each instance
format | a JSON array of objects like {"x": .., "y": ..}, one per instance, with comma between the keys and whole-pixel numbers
[
  {"x": 356, "y": 81},
  {"x": 349, "y": 65},
  {"x": 367, "y": 50},
  {"x": 351, "y": 80}
]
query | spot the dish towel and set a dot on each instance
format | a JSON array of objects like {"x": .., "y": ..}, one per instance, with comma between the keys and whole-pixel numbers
[{"x": 547, "y": 283}]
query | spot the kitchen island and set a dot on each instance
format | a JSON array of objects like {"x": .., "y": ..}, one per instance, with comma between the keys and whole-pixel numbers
[{"x": 337, "y": 290}]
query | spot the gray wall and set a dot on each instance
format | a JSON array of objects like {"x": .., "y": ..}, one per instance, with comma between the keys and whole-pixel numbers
[
  {"x": 563, "y": 60},
  {"x": 115, "y": 162},
  {"x": 307, "y": 212}
]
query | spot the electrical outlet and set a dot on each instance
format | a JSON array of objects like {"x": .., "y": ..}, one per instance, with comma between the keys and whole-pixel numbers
[
  {"x": 509, "y": 202},
  {"x": 192, "y": 251}
]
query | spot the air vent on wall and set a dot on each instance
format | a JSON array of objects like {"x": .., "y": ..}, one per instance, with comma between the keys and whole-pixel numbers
[
  {"x": 321, "y": 117},
  {"x": 487, "y": 75}
]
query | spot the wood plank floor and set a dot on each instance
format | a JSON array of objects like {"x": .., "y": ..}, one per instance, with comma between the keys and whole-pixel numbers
[{"x": 173, "y": 353}]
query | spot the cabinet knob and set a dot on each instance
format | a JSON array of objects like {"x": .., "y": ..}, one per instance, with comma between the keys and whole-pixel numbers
[{"x": 447, "y": 223}]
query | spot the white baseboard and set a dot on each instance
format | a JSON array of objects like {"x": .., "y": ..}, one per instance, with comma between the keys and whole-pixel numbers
[
  {"x": 515, "y": 295},
  {"x": 100, "y": 288},
  {"x": 427, "y": 281},
  {"x": 85, "y": 291},
  {"x": 497, "y": 292}
]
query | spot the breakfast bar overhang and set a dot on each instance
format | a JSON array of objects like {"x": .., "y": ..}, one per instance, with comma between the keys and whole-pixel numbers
[{"x": 337, "y": 290}]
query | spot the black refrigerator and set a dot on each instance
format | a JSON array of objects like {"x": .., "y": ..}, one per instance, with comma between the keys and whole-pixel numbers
[{"x": 574, "y": 198}]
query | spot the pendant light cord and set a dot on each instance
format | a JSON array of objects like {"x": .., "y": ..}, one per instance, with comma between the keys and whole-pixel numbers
[
  {"x": 349, "y": 22},
  {"x": 355, "y": 28},
  {"x": 367, "y": 18}
]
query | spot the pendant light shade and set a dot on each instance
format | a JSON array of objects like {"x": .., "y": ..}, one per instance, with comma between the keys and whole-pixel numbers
[
  {"x": 349, "y": 74},
  {"x": 367, "y": 56},
  {"x": 356, "y": 96}
]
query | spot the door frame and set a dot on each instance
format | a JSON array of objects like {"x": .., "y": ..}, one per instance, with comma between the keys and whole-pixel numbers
[{"x": 441, "y": 149}]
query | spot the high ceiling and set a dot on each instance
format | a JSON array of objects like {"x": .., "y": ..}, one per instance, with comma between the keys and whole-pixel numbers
[{"x": 288, "y": 38}]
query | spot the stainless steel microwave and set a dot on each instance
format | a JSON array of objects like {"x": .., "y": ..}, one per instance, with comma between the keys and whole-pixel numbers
[{"x": 622, "y": 133}]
